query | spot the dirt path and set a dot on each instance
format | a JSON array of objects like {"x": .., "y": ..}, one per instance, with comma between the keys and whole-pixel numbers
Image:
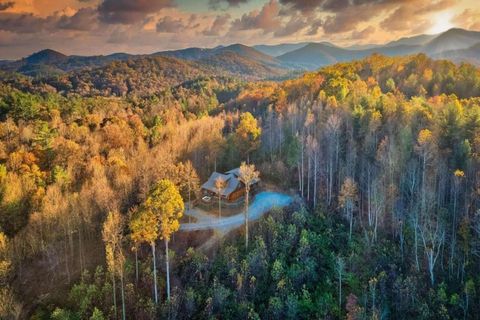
[{"x": 263, "y": 202}]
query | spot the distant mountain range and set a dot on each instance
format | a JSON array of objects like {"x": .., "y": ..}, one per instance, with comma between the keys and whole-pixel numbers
[
  {"x": 455, "y": 44},
  {"x": 266, "y": 61}
]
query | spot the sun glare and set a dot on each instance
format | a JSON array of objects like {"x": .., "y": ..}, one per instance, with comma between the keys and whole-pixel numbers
[{"x": 442, "y": 22}]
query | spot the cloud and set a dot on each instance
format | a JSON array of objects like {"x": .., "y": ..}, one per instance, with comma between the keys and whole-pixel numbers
[
  {"x": 170, "y": 25},
  {"x": 295, "y": 24},
  {"x": 130, "y": 11},
  {"x": 413, "y": 15},
  {"x": 6, "y": 5},
  {"x": 217, "y": 4},
  {"x": 469, "y": 19},
  {"x": 345, "y": 15},
  {"x": 84, "y": 19},
  {"x": 25, "y": 22},
  {"x": 327, "y": 5},
  {"x": 346, "y": 20},
  {"x": 266, "y": 19},
  {"x": 303, "y": 5},
  {"x": 364, "y": 33},
  {"x": 218, "y": 25},
  {"x": 313, "y": 29}
]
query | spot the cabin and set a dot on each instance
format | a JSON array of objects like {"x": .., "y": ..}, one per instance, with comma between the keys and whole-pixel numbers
[{"x": 234, "y": 188}]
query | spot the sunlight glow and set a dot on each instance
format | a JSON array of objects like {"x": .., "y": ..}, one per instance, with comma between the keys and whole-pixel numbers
[{"x": 442, "y": 22}]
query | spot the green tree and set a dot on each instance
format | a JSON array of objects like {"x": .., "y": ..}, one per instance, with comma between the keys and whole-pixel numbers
[{"x": 97, "y": 315}]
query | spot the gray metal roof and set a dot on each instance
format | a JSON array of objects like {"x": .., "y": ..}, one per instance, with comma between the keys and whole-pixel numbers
[
  {"x": 232, "y": 183},
  {"x": 235, "y": 172}
]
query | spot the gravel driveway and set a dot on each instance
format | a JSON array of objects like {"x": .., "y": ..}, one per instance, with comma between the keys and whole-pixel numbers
[{"x": 263, "y": 202}]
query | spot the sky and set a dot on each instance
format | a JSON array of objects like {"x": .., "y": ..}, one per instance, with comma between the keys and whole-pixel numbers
[{"x": 91, "y": 27}]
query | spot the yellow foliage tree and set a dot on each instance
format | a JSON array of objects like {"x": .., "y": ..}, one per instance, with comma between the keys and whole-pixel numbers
[
  {"x": 248, "y": 134},
  {"x": 347, "y": 199},
  {"x": 112, "y": 235},
  {"x": 144, "y": 228},
  {"x": 248, "y": 175},
  {"x": 165, "y": 202}
]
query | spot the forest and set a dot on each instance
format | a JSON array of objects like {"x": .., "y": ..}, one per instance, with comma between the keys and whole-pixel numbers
[{"x": 382, "y": 156}]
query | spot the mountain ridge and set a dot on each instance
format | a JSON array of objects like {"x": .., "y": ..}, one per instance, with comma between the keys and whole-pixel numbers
[{"x": 455, "y": 44}]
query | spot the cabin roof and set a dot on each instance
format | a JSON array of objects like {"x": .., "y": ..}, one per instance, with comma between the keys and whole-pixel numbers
[{"x": 232, "y": 183}]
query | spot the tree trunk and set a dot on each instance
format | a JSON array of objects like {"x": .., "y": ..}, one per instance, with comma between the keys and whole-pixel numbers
[
  {"x": 340, "y": 290},
  {"x": 168, "y": 270},
  {"x": 67, "y": 269},
  {"x": 350, "y": 217},
  {"x": 114, "y": 295},
  {"x": 303, "y": 170},
  {"x": 308, "y": 177},
  {"x": 219, "y": 205},
  {"x": 315, "y": 180},
  {"x": 123, "y": 298},
  {"x": 136, "y": 265},
  {"x": 154, "y": 273},
  {"x": 246, "y": 217},
  {"x": 415, "y": 229},
  {"x": 189, "y": 200}
]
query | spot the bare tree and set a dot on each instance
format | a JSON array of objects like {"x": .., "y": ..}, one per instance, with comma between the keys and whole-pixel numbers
[
  {"x": 334, "y": 123},
  {"x": 432, "y": 232},
  {"x": 347, "y": 199}
]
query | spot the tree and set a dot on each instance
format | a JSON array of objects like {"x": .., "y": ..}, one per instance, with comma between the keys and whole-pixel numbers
[
  {"x": 347, "y": 199},
  {"x": 426, "y": 148},
  {"x": 188, "y": 181},
  {"x": 333, "y": 126},
  {"x": 432, "y": 232},
  {"x": 248, "y": 134},
  {"x": 248, "y": 176},
  {"x": 220, "y": 185},
  {"x": 97, "y": 315},
  {"x": 165, "y": 202},
  {"x": 340, "y": 266},
  {"x": 112, "y": 235},
  {"x": 136, "y": 242},
  {"x": 144, "y": 228},
  {"x": 7, "y": 299}
]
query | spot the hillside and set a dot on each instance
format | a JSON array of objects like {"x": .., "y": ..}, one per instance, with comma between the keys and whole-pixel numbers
[
  {"x": 232, "y": 63},
  {"x": 235, "y": 58},
  {"x": 46, "y": 56},
  {"x": 453, "y": 39},
  {"x": 49, "y": 62},
  {"x": 141, "y": 76},
  {"x": 316, "y": 54},
  {"x": 470, "y": 55},
  {"x": 279, "y": 49}
]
